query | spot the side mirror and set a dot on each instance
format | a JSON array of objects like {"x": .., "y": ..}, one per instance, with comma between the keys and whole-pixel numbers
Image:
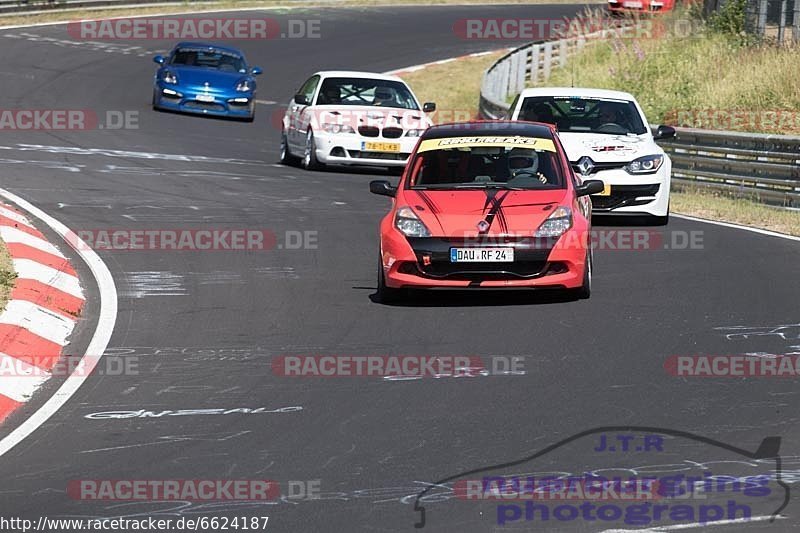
[
  {"x": 256, "y": 71},
  {"x": 159, "y": 59},
  {"x": 429, "y": 107},
  {"x": 590, "y": 187},
  {"x": 664, "y": 132},
  {"x": 382, "y": 187},
  {"x": 301, "y": 99}
]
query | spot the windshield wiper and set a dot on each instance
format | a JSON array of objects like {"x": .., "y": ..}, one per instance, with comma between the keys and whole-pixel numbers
[{"x": 489, "y": 186}]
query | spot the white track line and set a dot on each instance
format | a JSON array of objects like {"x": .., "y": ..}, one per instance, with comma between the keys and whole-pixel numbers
[
  {"x": 738, "y": 226},
  {"x": 102, "y": 334},
  {"x": 694, "y": 525}
]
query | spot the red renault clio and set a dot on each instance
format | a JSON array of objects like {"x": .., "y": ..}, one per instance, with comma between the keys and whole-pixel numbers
[{"x": 487, "y": 204}]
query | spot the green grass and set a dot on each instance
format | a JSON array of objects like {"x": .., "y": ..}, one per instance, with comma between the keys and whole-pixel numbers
[
  {"x": 454, "y": 86},
  {"x": 720, "y": 206},
  {"x": 679, "y": 80},
  {"x": 8, "y": 275}
]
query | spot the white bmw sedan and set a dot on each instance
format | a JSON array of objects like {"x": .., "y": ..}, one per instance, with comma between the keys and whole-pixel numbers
[
  {"x": 606, "y": 137},
  {"x": 352, "y": 118}
]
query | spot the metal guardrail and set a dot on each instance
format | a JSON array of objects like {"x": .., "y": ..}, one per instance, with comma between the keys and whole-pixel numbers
[{"x": 763, "y": 167}]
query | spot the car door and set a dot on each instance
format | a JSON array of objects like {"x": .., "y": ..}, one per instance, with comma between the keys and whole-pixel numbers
[{"x": 299, "y": 114}]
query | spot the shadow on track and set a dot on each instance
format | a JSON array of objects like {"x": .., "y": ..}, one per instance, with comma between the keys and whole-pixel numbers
[{"x": 475, "y": 297}]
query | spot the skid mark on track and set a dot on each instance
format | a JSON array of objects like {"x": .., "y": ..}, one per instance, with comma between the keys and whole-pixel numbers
[
  {"x": 153, "y": 283},
  {"x": 92, "y": 46}
]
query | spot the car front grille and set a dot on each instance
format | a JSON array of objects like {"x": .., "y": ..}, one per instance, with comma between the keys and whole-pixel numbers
[
  {"x": 368, "y": 131},
  {"x": 389, "y": 156},
  {"x": 598, "y": 167},
  {"x": 623, "y": 196},
  {"x": 392, "y": 133},
  {"x": 207, "y": 106}
]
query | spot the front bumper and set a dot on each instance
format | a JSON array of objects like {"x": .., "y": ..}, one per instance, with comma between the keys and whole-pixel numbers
[
  {"x": 644, "y": 194},
  {"x": 425, "y": 263},
  {"x": 352, "y": 149},
  {"x": 176, "y": 98}
]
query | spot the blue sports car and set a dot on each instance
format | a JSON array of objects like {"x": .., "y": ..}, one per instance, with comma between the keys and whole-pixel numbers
[{"x": 207, "y": 79}]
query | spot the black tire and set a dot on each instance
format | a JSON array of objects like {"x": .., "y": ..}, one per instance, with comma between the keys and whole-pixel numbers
[
  {"x": 155, "y": 106},
  {"x": 286, "y": 156},
  {"x": 309, "y": 161},
  {"x": 384, "y": 294},
  {"x": 585, "y": 290}
]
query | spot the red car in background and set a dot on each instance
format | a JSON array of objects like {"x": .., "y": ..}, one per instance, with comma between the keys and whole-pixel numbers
[
  {"x": 619, "y": 7},
  {"x": 491, "y": 204}
]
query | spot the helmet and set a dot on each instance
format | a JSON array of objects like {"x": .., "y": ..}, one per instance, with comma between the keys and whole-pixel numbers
[
  {"x": 522, "y": 161},
  {"x": 382, "y": 95},
  {"x": 331, "y": 94}
]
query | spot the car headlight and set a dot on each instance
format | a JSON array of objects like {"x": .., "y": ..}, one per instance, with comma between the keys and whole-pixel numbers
[
  {"x": 338, "y": 128},
  {"x": 414, "y": 133},
  {"x": 244, "y": 86},
  {"x": 645, "y": 165},
  {"x": 409, "y": 224},
  {"x": 169, "y": 77},
  {"x": 556, "y": 224}
]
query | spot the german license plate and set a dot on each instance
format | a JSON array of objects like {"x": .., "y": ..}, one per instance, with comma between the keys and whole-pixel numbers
[
  {"x": 380, "y": 147},
  {"x": 481, "y": 255},
  {"x": 205, "y": 98}
]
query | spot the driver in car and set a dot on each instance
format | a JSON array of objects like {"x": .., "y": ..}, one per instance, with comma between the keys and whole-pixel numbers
[{"x": 523, "y": 165}]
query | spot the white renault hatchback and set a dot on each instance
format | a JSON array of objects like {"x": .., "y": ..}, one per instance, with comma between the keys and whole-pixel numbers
[
  {"x": 353, "y": 118},
  {"x": 606, "y": 137}
]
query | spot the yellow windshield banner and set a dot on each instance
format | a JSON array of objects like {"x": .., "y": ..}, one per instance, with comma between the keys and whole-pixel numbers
[{"x": 535, "y": 143}]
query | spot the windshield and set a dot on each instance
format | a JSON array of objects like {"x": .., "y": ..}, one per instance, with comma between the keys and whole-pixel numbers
[
  {"x": 584, "y": 115},
  {"x": 486, "y": 162},
  {"x": 208, "y": 58},
  {"x": 363, "y": 91}
]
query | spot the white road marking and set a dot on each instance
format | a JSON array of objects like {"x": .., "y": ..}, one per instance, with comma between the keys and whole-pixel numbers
[
  {"x": 738, "y": 226},
  {"x": 694, "y": 525},
  {"x": 105, "y": 325},
  {"x": 76, "y": 150}
]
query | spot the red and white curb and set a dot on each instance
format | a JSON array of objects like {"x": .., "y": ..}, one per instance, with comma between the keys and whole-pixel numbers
[{"x": 41, "y": 312}]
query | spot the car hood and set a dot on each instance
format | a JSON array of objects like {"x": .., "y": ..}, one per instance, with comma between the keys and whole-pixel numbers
[
  {"x": 604, "y": 148},
  {"x": 356, "y": 115},
  {"x": 458, "y": 213},
  {"x": 199, "y": 76}
]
